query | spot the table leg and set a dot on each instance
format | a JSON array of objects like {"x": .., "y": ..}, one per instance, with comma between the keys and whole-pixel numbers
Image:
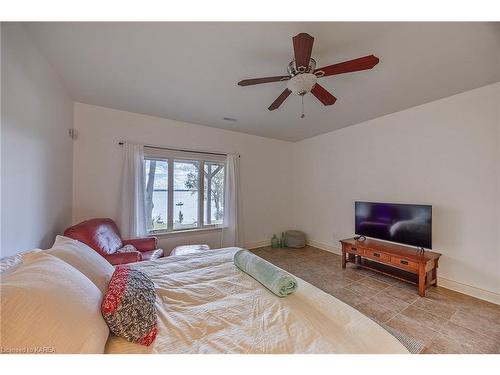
[
  {"x": 343, "y": 259},
  {"x": 434, "y": 273},
  {"x": 421, "y": 280}
]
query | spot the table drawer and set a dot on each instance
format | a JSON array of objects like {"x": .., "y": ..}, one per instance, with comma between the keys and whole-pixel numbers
[
  {"x": 376, "y": 255},
  {"x": 404, "y": 263},
  {"x": 353, "y": 250}
]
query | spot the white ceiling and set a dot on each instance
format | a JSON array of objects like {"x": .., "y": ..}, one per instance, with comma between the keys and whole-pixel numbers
[{"x": 188, "y": 71}]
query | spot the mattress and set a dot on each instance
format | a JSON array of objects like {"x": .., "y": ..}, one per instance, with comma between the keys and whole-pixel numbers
[{"x": 207, "y": 305}]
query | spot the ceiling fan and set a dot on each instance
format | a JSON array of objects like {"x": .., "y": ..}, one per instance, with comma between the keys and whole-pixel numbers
[{"x": 302, "y": 73}]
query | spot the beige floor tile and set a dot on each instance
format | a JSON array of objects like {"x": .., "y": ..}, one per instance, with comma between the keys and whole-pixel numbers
[
  {"x": 390, "y": 302},
  {"x": 353, "y": 274},
  {"x": 326, "y": 283},
  {"x": 475, "y": 341},
  {"x": 444, "y": 345},
  {"x": 373, "y": 283},
  {"x": 477, "y": 324},
  {"x": 363, "y": 290},
  {"x": 483, "y": 310},
  {"x": 423, "y": 317},
  {"x": 348, "y": 296},
  {"x": 410, "y": 327},
  {"x": 379, "y": 313},
  {"x": 405, "y": 295},
  {"x": 386, "y": 279},
  {"x": 436, "y": 307}
]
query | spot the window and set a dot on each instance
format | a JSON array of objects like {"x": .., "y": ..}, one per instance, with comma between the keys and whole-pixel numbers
[
  {"x": 186, "y": 194},
  {"x": 184, "y": 190},
  {"x": 213, "y": 197},
  {"x": 156, "y": 193}
]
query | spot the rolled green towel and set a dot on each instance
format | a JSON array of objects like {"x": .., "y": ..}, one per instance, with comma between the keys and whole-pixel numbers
[{"x": 276, "y": 280}]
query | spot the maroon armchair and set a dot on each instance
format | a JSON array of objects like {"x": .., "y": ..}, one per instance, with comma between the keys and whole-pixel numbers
[{"x": 103, "y": 236}]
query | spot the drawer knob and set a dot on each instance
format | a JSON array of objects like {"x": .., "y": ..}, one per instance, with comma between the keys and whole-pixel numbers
[
  {"x": 404, "y": 262},
  {"x": 353, "y": 248},
  {"x": 376, "y": 255}
]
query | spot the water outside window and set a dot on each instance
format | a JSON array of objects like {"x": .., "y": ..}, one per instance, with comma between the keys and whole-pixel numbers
[
  {"x": 157, "y": 193},
  {"x": 186, "y": 194}
]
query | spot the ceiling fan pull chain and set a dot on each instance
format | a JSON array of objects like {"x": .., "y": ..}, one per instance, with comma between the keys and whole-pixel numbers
[{"x": 302, "y": 115}]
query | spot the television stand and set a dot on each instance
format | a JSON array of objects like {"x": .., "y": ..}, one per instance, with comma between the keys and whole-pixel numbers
[{"x": 398, "y": 261}]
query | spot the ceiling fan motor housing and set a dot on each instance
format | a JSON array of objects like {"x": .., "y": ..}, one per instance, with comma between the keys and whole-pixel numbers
[{"x": 293, "y": 70}]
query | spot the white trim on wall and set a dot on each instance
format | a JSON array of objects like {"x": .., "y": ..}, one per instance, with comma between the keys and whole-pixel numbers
[
  {"x": 469, "y": 290},
  {"x": 324, "y": 246},
  {"x": 257, "y": 244}
]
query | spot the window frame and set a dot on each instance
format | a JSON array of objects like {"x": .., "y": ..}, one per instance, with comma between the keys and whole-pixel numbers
[{"x": 170, "y": 156}]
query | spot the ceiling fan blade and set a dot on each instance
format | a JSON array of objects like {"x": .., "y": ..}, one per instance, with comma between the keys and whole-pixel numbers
[
  {"x": 256, "y": 81},
  {"x": 363, "y": 63},
  {"x": 302, "y": 48},
  {"x": 279, "y": 100},
  {"x": 323, "y": 95}
]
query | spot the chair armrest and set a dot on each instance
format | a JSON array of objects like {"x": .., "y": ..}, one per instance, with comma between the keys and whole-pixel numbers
[
  {"x": 142, "y": 244},
  {"x": 122, "y": 258}
]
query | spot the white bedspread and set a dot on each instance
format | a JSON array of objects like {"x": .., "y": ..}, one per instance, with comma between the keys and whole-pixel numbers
[{"x": 207, "y": 305}]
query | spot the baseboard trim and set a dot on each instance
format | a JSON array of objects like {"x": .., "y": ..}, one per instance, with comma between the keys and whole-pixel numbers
[
  {"x": 470, "y": 290},
  {"x": 257, "y": 244},
  {"x": 324, "y": 246}
]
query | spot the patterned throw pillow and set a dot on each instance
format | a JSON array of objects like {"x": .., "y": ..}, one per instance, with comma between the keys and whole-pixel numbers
[
  {"x": 127, "y": 249},
  {"x": 128, "y": 306}
]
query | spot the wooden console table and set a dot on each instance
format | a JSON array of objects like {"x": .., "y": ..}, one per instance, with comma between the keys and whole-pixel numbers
[{"x": 402, "y": 262}]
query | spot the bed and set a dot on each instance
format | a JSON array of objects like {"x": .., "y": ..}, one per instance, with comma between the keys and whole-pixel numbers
[{"x": 207, "y": 305}]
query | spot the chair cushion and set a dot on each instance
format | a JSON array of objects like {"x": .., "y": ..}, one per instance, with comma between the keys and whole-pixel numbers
[
  {"x": 153, "y": 254},
  {"x": 126, "y": 249},
  {"x": 101, "y": 235},
  {"x": 129, "y": 307},
  {"x": 122, "y": 258},
  {"x": 142, "y": 244},
  {"x": 189, "y": 249}
]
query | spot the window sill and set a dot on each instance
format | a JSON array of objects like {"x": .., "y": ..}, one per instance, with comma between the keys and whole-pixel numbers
[{"x": 185, "y": 232}]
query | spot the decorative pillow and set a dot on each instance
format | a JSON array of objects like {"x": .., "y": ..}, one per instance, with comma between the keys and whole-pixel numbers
[
  {"x": 127, "y": 249},
  {"x": 50, "y": 307},
  {"x": 84, "y": 259},
  {"x": 129, "y": 306}
]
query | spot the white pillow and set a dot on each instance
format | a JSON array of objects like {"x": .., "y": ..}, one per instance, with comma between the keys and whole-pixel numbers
[
  {"x": 50, "y": 307},
  {"x": 84, "y": 259}
]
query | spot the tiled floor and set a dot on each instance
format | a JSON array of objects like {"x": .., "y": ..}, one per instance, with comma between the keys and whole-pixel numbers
[{"x": 444, "y": 321}]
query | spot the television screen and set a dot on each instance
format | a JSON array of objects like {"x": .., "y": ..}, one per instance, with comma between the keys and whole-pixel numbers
[{"x": 409, "y": 224}]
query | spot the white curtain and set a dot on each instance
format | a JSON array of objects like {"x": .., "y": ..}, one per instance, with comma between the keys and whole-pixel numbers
[
  {"x": 231, "y": 232},
  {"x": 133, "y": 200}
]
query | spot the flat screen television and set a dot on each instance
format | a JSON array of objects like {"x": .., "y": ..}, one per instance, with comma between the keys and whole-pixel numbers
[{"x": 408, "y": 224}]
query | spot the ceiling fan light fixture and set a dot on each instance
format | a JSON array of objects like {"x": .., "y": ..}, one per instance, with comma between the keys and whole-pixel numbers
[{"x": 301, "y": 84}]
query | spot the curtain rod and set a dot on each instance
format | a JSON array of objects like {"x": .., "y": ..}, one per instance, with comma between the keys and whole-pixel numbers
[{"x": 183, "y": 150}]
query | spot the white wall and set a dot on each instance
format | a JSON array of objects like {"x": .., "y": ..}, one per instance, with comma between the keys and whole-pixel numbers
[
  {"x": 36, "y": 175},
  {"x": 444, "y": 153},
  {"x": 265, "y": 169}
]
